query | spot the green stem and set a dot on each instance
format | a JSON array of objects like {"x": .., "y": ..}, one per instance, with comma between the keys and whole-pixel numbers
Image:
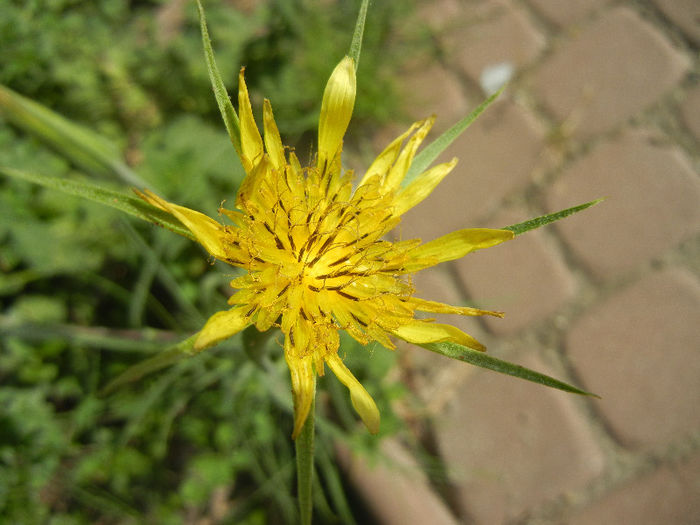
[{"x": 305, "y": 466}]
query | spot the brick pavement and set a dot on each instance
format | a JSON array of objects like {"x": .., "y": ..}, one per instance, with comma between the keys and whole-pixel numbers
[{"x": 604, "y": 102}]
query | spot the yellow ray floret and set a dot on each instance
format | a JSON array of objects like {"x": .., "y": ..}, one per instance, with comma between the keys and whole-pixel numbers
[{"x": 314, "y": 248}]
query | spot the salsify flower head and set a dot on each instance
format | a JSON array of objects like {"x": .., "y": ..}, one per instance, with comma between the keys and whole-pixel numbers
[{"x": 314, "y": 249}]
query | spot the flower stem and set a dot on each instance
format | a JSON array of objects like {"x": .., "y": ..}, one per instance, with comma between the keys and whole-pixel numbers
[{"x": 305, "y": 466}]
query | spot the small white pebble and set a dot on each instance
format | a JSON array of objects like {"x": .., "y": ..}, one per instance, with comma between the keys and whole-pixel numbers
[{"x": 493, "y": 77}]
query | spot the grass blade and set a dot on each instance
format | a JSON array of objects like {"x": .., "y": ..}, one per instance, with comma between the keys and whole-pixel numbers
[
  {"x": 222, "y": 99},
  {"x": 462, "y": 353},
  {"x": 531, "y": 224},
  {"x": 147, "y": 341},
  {"x": 433, "y": 150},
  {"x": 82, "y": 146},
  {"x": 165, "y": 358},
  {"x": 124, "y": 202},
  {"x": 333, "y": 484},
  {"x": 165, "y": 277}
]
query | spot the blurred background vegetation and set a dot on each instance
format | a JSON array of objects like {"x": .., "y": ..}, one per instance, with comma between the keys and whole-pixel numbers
[{"x": 85, "y": 291}]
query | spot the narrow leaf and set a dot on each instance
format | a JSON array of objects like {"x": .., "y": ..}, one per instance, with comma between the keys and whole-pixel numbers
[
  {"x": 165, "y": 277},
  {"x": 144, "y": 341},
  {"x": 356, "y": 45},
  {"x": 531, "y": 224},
  {"x": 165, "y": 358},
  {"x": 222, "y": 99},
  {"x": 80, "y": 145},
  {"x": 462, "y": 353},
  {"x": 433, "y": 150},
  {"x": 332, "y": 482},
  {"x": 113, "y": 198}
]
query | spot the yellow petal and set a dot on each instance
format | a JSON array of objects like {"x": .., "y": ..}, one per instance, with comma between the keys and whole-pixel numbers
[
  {"x": 251, "y": 143},
  {"x": 455, "y": 245},
  {"x": 423, "y": 332},
  {"x": 267, "y": 317},
  {"x": 400, "y": 168},
  {"x": 336, "y": 110},
  {"x": 421, "y": 187},
  {"x": 249, "y": 188},
  {"x": 220, "y": 326},
  {"x": 294, "y": 163},
  {"x": 153, "y": 199},
  {"x": 386, "y": 158},
  {"x": 208, "y": 232},
  {"x": 303, "y": 387},
  {"x": 290, "y": 318},
  {"x": 362, "y": 402},
  {"x": 273, "y": 142},
  {"x": 441, "y": 308}
]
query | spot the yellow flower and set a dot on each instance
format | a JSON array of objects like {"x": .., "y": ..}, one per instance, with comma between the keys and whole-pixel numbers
[{"x": 314, "y": 249}]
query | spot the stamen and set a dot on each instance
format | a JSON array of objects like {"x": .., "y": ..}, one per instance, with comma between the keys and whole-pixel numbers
[
  {"x": 283, "y": 290},
  {"x": 231, "y": 260},
  {"x": 395, "y": 269},
  {"x": 359, "y": 321},
  {"x": 347, "y": 295},
  {"x": 321, "y": 250},
  {"x": 358, "y": 239},
  {"x": 323, "y": 173},
  {"x": 339, "y": 261}
]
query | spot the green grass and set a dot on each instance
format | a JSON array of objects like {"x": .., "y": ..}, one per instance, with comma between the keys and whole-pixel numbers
[{"x": 86, "y": 291}]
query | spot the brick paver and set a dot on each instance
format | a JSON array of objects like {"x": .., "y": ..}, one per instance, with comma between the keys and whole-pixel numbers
[
  {"x": 524, "y": 277},
  {"x": 622, "y": 65},
  {"x": 500, "y": 433},
  {"x": 498, "y": 154},
  {"x": 683, "y": 13},
  {"x": 439, "y": 14},
  {"x": 566, "y": 13},
  {"x": 504, "y": 35},
  {"x": 434, "y": 91},
  {"x": 437, "y": 284},
  {"x": 653, "y": 195},
  {"x": 690, "y": 110},
  {"x": 397, "y": 489},
  {"x": 602, "y": 90},
  {"x": 670, "y": 495},
  {"x": 645, "y": 337}
]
